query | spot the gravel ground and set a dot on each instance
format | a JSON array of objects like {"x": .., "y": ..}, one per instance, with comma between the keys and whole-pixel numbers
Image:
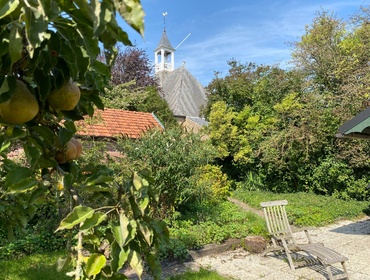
[{"x": 350, "y": 238}]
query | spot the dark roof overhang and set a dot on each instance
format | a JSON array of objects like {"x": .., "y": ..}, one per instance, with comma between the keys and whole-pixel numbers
[{"x": 356, "y": 128}]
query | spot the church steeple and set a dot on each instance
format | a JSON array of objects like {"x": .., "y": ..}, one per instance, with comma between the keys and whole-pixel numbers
[{"x": 164, "y": 54}]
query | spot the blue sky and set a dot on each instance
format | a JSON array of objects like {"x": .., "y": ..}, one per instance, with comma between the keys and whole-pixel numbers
[{"x": 249, "y": 31}]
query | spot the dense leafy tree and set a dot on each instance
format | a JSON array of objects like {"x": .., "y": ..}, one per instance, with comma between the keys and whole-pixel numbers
[
  {"x": 238, "y": 131},
  {"x": 318, "y": 53},
  {"x": 133, "y": 64},
  {"x": 283, "y": 129},
  {"x": 259, "y": 86},
  {"x": 235, "y": 89},
  {"x": 51, "y": 48}
]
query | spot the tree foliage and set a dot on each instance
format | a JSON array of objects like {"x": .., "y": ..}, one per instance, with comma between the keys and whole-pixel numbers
[
  {"x": 281, "y": 123},
  {"x": 133, "y": 64},
  {"x": 173, "y": 157},
  {"x": 46, "y": 44}
]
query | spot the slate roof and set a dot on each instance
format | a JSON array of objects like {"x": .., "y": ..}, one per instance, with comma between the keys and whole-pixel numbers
[
  {"x": 112, "y": 123},
  {"x": 164, "y": 42},
  {"x": 199, "y": 121},
  {"x": 183, "y": 93}
]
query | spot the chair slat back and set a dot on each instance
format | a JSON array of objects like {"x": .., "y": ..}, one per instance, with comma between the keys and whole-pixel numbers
[{"x": 276, "y": 218}]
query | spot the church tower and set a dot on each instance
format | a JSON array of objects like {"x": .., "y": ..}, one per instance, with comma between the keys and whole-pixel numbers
[
  {"x": 164, "y": 55},
  {"x": 182, "y": 91}
]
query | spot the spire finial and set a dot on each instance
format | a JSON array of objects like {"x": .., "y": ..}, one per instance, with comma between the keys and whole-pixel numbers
[{"x": 164, "y": 14}]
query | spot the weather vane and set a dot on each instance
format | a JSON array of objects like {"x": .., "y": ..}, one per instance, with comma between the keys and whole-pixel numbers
[{"x": 164, "y": 14}]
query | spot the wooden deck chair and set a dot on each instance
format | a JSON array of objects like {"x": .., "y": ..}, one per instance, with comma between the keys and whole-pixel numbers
[{"x": 283, "y": 240}]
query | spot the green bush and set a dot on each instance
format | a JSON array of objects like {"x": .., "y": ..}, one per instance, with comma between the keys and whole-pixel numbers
[
  {"x": 214, "y": 224},
  {"x": 174, "y": 250},
  {"x": 211, "y": 184},
  {"x": 252, "y": 182},
  {"x": 173, "y": 157},
  {"x": 333, "y": 177},
  {"x": 36, "y": 237},
  {"x": 30, "y": 244}
]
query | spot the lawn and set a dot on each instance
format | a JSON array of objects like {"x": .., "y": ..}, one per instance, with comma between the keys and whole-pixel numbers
[
  {"x": 306, "y": 209},
  {"x": 43, "y": 267},
  {"x": 33, "y": 267},
  {"x": 200, "y": 275}
]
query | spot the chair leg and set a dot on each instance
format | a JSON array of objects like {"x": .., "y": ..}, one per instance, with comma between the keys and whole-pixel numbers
[
  {"x": 290, "y": 260},
  {"x": 330, "y": 274},
  {"x": 345, "y": 270},
  {"x": 288, "y": 252}
]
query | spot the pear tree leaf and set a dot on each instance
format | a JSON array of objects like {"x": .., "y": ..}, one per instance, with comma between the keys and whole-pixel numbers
[
  {"x": 36, "y": 27},
  {"x": 146, "y": 232},
  {"x": 20, "y": 179},
  {"x": 7, "y": 7},
  {"x": 77, "y": 216},
  {"x": 132, "y": 12},
  {"x": 94, "y": 264},
  {"x": 45, "y": 133},
  {"x": 97, "y": 179},
  {"x": 125, "y": 231},
  {"x": 136, "y": 262},
  {"x": 7, "y": 88},
  {"x": 63, "y": 263},
  {"x": 119, "y": 256},
  {"x": 14, "y": 133},
  {"x": 102, "y": 14},
  {"x": 137, "y": 181},
  {"x": 95, "y": 220},
  {"x": 15, "y": 43},
  {"x": 154, "y": 265}
]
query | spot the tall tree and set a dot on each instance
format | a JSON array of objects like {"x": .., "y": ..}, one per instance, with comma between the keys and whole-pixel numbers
[
  {"x": 133, "y": 64},
  {"x": 284, "y": 128},
  {"x": 49, "y": 58},
  {"x": 319, "y": 53}
]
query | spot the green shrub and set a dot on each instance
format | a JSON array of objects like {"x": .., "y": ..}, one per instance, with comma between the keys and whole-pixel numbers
[
  {"x": 211, "y": 184},
  {"x": 252, "y": 182},
  {"x": 36, "y": 237},
  {"x": 174, "y": 250},
  {"x": 333, "y": 177},
  {"x": 209, "y": 223},
  {"x": 31, "y": 243},
  {"x": 173, "y": 157}
]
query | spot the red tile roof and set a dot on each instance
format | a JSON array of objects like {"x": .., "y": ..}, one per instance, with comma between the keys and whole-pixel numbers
[{"x": 112, "y": 123}]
